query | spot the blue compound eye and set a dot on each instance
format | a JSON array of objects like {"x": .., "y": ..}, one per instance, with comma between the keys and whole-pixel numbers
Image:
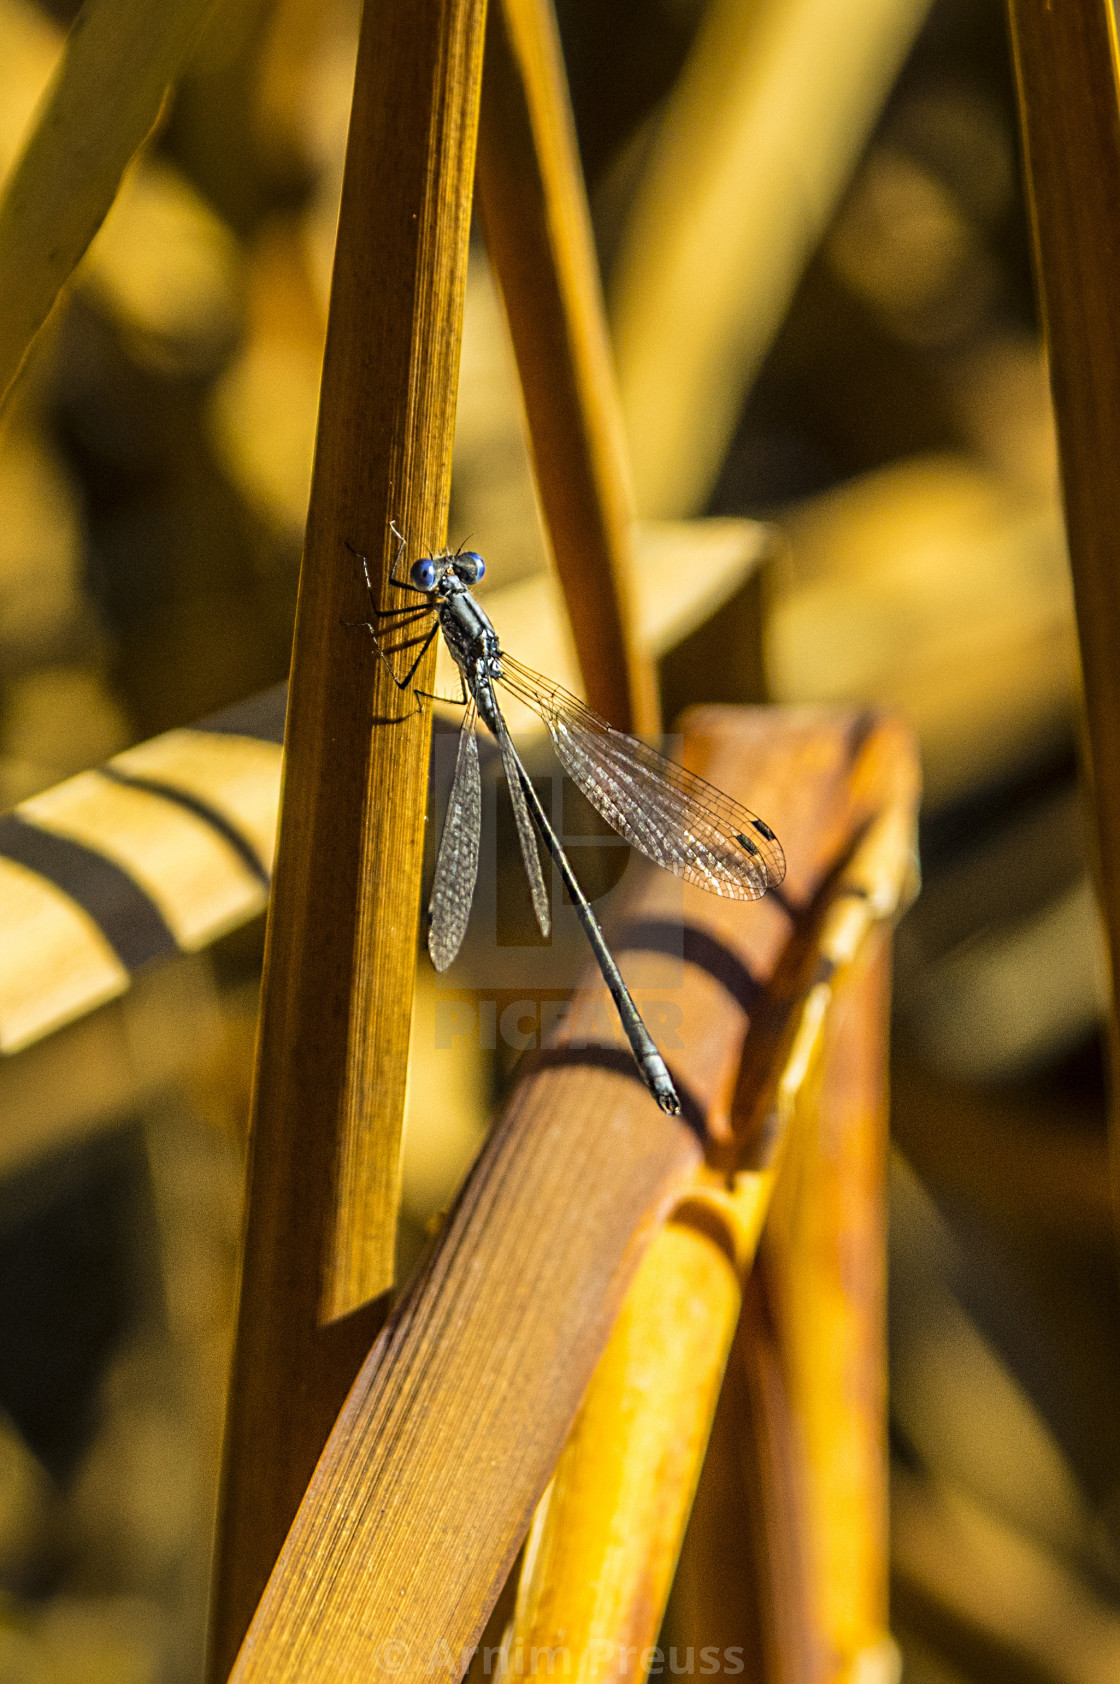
[
  {"x": 470, "y": 565},
  {"x": 423, "y": 573}
]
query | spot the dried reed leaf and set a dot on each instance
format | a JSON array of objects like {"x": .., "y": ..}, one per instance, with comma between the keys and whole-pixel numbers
[
  {"x": 756, "y": 146},
  {"x": 120, "y": 60}
]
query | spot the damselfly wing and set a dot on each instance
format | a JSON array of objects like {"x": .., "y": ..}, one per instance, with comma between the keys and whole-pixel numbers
[
  {"x": 457, "y": 862},
  {"x": 675, "y": 818}
]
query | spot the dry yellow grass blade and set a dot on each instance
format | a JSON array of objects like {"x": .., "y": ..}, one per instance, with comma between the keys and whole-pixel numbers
[
  {"x": 756, "y": 146},
  {"x": 604, "y": 1544},
  {"x": 120, "y": 59},
  {"x": 825, "y": 1250}
]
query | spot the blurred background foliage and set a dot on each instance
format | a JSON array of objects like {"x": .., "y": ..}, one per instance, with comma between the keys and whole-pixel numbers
[{"x": 875, "y": 390}]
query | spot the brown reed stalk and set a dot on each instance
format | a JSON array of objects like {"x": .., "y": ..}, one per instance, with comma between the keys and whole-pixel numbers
[
  {"x": 1069, "y": 111},
  {"x": 538, "y": 234},
  {"x": 341, "y": 950}
]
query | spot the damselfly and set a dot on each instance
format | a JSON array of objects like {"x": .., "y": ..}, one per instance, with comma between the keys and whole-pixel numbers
[{"x": 672, "y": 816}]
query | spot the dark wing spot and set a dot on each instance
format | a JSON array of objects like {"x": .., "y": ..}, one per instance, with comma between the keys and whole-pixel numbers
[
  {"x": 746, "y": 841},
  {"x": 764, "y": 830}
]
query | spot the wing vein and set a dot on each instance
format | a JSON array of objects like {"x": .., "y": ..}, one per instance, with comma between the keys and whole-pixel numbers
[
  {"x": 675, "y": 818},
  {"x": 457, "y": 863},
  {"x": 526, "y": 833}
]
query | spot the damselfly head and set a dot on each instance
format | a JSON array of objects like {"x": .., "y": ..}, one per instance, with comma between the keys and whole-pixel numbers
[
  {"x": 469, "y": 565},
  {"x": 458, "y": 568}
]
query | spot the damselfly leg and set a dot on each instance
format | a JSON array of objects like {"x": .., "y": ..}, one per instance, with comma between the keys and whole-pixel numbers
[{"x": 404, "y": 619}]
